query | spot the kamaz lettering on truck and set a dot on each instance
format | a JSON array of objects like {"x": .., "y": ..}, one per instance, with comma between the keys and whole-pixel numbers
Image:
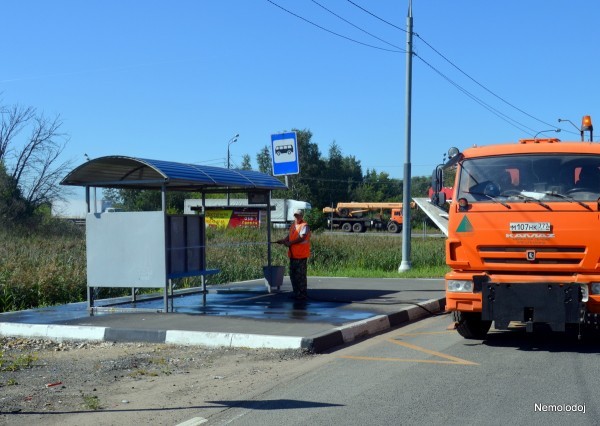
[{"x": 524, "y": 235}]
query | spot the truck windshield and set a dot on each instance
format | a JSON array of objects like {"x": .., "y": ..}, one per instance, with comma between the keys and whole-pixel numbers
[{"x": 550, "y": 177}]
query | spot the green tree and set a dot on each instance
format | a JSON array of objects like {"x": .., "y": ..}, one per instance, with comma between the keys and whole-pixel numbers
[
  {"x": 263, "y": 159},
  {"x": 246, "y": 165},
  {"x": 12, "y": 204},
  {"x": 419, "y": 186},
  {"x": 378, "y": 187},
  {"x": 146, "y": 200}
]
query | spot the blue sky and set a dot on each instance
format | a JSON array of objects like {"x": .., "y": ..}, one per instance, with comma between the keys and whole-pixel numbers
[{"x": 176, "y": 80}]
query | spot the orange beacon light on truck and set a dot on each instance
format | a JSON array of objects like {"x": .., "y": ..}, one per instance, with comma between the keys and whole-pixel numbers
[{"x": 586, "y": 126}]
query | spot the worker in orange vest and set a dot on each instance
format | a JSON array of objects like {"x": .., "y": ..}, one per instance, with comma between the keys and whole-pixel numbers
[{"x": 298, "y": 244}]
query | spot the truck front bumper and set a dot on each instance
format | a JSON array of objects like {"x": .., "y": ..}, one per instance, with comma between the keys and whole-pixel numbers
[{"x": 550, "y": 303}]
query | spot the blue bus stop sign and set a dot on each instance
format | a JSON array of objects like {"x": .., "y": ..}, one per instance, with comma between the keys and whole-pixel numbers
[{"x": 284, "y": 154}]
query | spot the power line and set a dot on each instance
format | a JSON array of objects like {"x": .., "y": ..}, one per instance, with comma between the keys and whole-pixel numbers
[
  {"x": 465, "y": 74},
  {"x": 376, "y": 17},
  {"x": 496, "y": 112},
  {"x": 357, "y": 27},
  {"x": 493, "y": 110},
  {"x": 333, "y": 32},
  {"x": 481, "y": 85}
]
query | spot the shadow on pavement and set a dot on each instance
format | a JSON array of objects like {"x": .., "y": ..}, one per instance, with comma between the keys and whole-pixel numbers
[{"x": 543, "y": 340}]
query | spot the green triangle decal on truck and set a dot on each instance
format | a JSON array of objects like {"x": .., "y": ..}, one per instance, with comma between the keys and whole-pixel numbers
[{"x": 465, "y": 225}]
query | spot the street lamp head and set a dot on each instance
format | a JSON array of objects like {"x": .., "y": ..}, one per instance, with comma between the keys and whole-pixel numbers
[
  {"x": 544, "y": 131},
  {"x": 560, "y": 120},
  {"x": 234, "y": 139}
]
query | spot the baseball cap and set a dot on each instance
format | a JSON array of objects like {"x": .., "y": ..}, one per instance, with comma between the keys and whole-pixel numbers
[{"x": 298, "y": 212}]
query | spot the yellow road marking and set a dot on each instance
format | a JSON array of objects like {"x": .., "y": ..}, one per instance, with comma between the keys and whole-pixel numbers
[
  {"x": 434, "y": 353},
  {"x": 448, "y": 359},
  {"x": 372, "y": 358},
  {"x": 422, "y": 333},
  {"x": 451, "y": 360}
]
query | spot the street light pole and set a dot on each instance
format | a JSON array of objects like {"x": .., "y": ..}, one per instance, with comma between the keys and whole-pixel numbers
[
  {"x": 232, "y": 140},
  {"x": 405, "y": 264}
]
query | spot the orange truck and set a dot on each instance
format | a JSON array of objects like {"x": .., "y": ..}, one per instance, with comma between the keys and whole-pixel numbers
[
  {"x": 524, "y": 235},
  {"x": 358, "y": 217}
]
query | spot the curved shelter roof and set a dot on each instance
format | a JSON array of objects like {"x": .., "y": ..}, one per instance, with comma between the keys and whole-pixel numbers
[{"x": 129, "y": 172}]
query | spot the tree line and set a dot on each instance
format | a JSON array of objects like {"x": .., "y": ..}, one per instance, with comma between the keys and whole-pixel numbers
[
  {"x": 31, "y": 168},
  {"x": 324, "y": 180}
]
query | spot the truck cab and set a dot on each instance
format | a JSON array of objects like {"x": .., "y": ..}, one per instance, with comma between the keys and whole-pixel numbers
[{"x": 523, "y": 236}]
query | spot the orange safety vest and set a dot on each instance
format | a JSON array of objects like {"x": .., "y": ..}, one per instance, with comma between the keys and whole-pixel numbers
[{"x": 300, "y": 250}]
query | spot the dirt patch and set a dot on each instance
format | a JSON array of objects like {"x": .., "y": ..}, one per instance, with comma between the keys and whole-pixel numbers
[{"x": 48, "y": 382}]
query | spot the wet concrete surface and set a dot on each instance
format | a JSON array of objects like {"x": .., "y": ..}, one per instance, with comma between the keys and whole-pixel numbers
[{"x": 248, "y": 308}]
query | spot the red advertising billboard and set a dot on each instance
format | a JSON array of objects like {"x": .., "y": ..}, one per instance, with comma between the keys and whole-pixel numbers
[{"x": 233, "y": 218}]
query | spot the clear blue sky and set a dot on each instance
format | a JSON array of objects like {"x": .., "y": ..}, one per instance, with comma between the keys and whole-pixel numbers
[{"x": 176, "y": 80}]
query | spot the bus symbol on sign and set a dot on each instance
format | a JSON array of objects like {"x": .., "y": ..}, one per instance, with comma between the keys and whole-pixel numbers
[
  {"x": 284, "y": 149},
  {"x": 531, "y": 255}
]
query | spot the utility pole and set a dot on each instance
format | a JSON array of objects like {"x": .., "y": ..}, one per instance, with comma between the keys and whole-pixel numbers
[
  {"x": 232, "y": 140},
  {"x": 405, "y": 264}
]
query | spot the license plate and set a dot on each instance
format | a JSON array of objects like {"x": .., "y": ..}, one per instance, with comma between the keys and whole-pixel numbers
[{"x": 530, "y": 227}]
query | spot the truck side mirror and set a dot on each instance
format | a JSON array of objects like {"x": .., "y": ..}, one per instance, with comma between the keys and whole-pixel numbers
[
  {"x": 441, "y": 198},
  {"x": 435, "y": 181}
]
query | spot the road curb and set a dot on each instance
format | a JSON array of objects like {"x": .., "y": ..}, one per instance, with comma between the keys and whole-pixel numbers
[
  {"x": 361, "y": 329},
  {"x": 317, "y": 343}
]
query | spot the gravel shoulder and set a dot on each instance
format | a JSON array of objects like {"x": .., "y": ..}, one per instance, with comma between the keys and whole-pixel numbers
[{"x": 74, "y": 383}]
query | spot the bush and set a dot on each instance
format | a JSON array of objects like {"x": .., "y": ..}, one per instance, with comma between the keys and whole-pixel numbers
[
  {"x": 48, "y": 266},
  {"x": 42, "y": 267}
]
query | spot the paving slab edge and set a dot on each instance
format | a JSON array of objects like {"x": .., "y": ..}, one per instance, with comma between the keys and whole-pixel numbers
[{"x": 317, "y": 343}]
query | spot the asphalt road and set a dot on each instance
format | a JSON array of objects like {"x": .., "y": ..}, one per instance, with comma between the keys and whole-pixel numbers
[{"x": 427, "y": 374}]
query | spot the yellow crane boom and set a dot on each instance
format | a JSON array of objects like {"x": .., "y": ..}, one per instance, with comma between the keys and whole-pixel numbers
[{"x": 358, "y": 208}]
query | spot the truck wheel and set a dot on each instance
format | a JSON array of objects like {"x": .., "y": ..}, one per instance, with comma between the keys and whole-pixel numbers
[
  {"x": 358, "y": 227},
  {"x": 470, "y": 325},
  {"x": 347, "y": 227},
  {"x": 393, "y": 227},
  {"x": 343, "y": 212}
]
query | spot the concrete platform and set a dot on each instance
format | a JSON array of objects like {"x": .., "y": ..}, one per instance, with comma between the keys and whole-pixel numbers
[{"x": 339, "y": 310}]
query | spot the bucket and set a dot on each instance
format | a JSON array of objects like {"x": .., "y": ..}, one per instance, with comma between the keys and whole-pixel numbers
[{"x": 274, "y": 276}]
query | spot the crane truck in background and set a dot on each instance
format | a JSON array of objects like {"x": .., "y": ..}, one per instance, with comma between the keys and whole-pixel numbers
[
  {"x": 523, "y": 235},
  {"x": 358, "y": 217}
]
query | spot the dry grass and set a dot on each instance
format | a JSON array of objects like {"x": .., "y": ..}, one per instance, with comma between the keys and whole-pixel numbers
[{"x": 48, "y": 268}]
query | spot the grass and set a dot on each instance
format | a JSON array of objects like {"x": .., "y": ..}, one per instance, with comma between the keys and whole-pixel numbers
[
  {"x": 49, "y": 267},
  {"x": 143, "y": 372},
  {"x": 40, "y": 269},
  {"x": 91, "y": 402},
  {"x": 16, "y": 363}
]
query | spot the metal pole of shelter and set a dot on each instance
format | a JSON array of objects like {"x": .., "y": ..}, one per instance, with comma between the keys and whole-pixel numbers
[
  {"x": 269, "y": 230},
  {"x": 405, "y": 264},
  {"x": 90, "y": 291},
  {"x": 167, "y": 280},
  {"x": 203, "y": 243}
]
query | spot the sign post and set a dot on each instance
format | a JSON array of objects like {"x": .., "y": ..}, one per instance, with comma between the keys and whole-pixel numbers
[{"x": 284, "y": 154}]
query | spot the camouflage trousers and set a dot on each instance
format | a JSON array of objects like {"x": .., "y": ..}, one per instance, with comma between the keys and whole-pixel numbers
[{"x": 298, "y": 277}]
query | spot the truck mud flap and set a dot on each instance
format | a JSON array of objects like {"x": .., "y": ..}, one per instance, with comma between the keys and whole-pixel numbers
[{"x": 552, "y": 304}]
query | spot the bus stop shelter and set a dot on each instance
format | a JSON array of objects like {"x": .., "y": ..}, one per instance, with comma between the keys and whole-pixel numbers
[{"x": 148, "y": 249}]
